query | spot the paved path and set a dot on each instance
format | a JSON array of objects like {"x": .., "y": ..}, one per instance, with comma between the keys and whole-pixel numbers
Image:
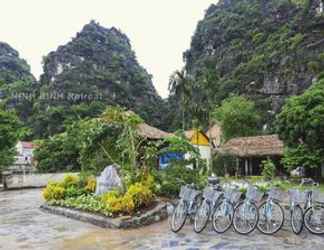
[{"x": 24, "y": 226}]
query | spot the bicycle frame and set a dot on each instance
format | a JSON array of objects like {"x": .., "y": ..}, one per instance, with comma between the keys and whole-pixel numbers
[
  {"x": 294, "y": 203},
  {"x": 191, "y": 209},
  {"x": 226, "y": 209},
  {"x": 246, "y": 208},
  {"x": 309, "y": 200},
  {"x": 268, "y": 208}
]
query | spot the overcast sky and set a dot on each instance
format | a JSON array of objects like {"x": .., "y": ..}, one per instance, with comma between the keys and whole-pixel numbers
[{"x": 159, "y": 30}]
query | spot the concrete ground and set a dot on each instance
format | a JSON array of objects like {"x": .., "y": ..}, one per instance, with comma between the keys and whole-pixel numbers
[{"x": 24, "y": 226}]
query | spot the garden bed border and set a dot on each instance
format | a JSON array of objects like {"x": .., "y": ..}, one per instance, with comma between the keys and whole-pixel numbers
[{"x": 158, "y": 213}]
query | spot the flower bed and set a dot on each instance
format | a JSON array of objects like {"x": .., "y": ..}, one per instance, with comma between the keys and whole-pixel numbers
[
  {"x": 152, "y": 215},
  {"x": 78, "y": 193}
]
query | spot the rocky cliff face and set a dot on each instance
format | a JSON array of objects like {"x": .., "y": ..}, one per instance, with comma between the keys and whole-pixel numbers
[
  {"x": 265, "y": 49},
  {"x": 99, "y": 66},
  {"x": 16, "y": 81}
]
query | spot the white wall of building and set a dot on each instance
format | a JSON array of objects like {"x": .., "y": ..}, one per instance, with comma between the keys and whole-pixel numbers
[
  {"x": 24, "y": 155},
  {"x": 205, "y": 154},
  {"x": 32, "y": 180}
]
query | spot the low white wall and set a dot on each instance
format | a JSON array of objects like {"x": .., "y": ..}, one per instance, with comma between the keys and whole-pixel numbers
[{"x": 32, "y": 180}]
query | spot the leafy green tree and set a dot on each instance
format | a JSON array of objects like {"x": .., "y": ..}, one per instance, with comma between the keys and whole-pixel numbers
[
  {"x": 10, "y": 132},
  {"x": 269, "y": 169},
  {"x": 179, "y": 144},
  {"x": 61, "y": 152},
  {"x": 302, "y": 155},
  {"x": 194, "y": 98},
  {"x": 301, "y": 126},
  {"x": 238, "y": 117},
  {"x": 92, "y": 144},
  {"x": 57, "y": 119}
]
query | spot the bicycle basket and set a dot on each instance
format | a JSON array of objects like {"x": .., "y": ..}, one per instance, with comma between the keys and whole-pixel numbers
[
  {"x": 253, "y": 194},
  {"x": 228, "y": 193},
  {"x": 296, "y": 196},
  {"x": 193, "y": 194},
  {"x": 318, "y": 196},
  {"x": 185, "y": 193},
  {"x": 211, "y": 194},
  {"x": 208, "y": 193},
  {"x": 276, "y": 194},
  {"x": 235, "y": 196},
  {"x": 232, "y": 195}
]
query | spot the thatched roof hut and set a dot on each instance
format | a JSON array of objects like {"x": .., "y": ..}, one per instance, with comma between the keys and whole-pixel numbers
[
  {"x": 150, "y": 132},
  {"x": 254, "y": 146},
  {"x": 147, "y": 131}
]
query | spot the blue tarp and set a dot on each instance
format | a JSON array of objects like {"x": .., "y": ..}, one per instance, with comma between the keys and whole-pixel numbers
[{"x": 165, "y": 159}]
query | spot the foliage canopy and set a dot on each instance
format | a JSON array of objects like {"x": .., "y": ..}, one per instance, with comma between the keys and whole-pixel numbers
[
  {"x": 238, "y": 117},
  {"x": 301, "y": 126}
]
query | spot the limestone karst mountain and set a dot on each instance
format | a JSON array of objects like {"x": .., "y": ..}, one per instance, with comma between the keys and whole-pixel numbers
[
  {"x": 96, "y": 68},
  {"x": 264, "y": 49}
]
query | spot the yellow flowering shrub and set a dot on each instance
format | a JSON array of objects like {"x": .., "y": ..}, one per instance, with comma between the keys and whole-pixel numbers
[
  {"x": 107, "y": 197},
  {"x": 91, "y": 184},
  {"x": 70, "y": 180},
  {"x": 127, "y": 204},
  {"x": 149, "y": 181},
  {"x": 141, "y": 194},
  {"x": 117, "y": 204},
  {"x": 137, "y": 196},
  {"x": 53, "y": 191},
  {"x": 77, "y": 190}
]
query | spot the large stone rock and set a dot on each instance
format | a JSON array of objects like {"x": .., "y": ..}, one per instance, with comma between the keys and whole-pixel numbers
[{"x": 108, "y": 180}]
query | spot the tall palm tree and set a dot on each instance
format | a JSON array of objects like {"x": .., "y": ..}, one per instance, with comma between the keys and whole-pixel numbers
[{"x": 179, "y": 87}]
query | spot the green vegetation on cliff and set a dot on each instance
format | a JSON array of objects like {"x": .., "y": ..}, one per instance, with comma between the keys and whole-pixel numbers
[
  {"x": 97, "y": 66},
  {"x": 17, "y": 84},
  {"x": 266, "y": 50}
]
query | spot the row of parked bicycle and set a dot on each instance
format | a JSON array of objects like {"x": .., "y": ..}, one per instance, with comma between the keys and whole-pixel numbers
[{"x": 226, "y": 206}]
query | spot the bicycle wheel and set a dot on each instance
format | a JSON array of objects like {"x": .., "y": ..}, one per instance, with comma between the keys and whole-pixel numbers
[
  {"x": 179, "y": 216},
  {"x": 223, "y": 217},
  {"x": 201, "y": 217},
  {"x": 297, "y": 219},
  {"x": 314, "y": 219},
  {"x": 245, "y": 217},
  {"x": 271, "y": 217}
]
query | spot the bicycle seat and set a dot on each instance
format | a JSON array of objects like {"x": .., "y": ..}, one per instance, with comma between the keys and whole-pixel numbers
[{"x": 213, "y": 181}]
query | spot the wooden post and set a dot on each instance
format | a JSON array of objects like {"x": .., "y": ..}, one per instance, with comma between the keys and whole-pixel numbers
[
  {"x": 246, "y": 166},
  {"x": 237, "y": 166}
]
